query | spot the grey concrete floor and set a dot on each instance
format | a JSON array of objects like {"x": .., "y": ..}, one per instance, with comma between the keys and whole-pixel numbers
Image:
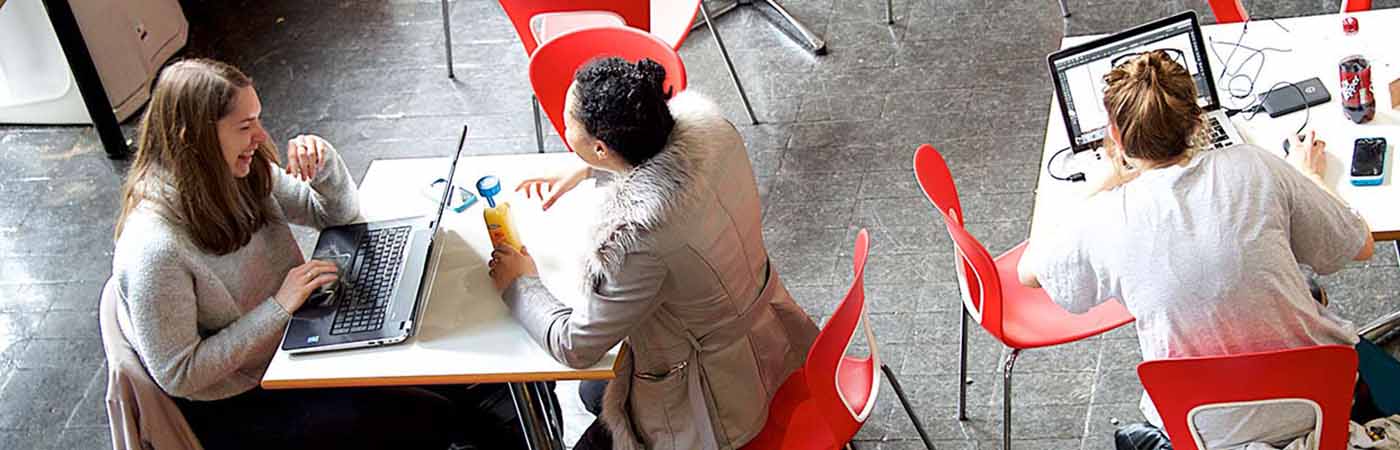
[{"x": 833, "y": 155}]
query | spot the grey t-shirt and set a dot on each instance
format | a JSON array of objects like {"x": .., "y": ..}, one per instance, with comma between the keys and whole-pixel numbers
[{"x": 1206, "y": 257}]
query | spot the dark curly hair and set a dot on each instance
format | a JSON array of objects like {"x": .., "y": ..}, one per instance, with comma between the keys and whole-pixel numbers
[{"x": 624, "y": 105}]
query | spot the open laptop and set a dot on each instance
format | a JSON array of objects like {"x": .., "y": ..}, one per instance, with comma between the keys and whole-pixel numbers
[
  {"x": 383, "y": 282},
  {"x": 1078, "y": 74}
]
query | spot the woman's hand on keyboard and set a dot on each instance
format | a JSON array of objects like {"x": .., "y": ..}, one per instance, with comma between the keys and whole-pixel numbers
[{"x": 301, "y": 281}]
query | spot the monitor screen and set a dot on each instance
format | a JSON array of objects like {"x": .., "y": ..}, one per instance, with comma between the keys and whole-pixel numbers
[{"x": 1080, "y": 72}]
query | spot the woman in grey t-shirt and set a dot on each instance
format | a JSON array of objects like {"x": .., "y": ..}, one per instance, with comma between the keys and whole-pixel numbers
[{"x": 1202, "y": 247}]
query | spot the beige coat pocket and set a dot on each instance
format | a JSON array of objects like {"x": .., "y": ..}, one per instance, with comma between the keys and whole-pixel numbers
[{"x": 661, "y": 410}]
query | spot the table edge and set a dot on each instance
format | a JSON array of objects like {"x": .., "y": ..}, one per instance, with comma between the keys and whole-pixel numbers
[{"x": 423, "y": 380}]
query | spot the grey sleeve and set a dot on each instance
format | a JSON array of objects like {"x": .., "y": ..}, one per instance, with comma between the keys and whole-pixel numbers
[
  {"x": 329, "y": 199},
  {"x": 579, "y": 338},
  {"x": 1068, "y": 275},
  {"x": 1324, "y": 232},
  {"x": 160, "y": 300}
]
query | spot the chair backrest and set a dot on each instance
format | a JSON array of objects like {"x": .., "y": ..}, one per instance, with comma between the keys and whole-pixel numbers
[
  {"x": 637, "y": 14},
  {"x": 671, "y": 20},
  {"x": 1231, "y": 11},
  {"x": 977, "y": 271},
  {"x": 1228, "y": 11},
  {"x": 553, "y": 65},
  {"x": 142, "y": 416},
  {"x": 828, "y": 354},
  {"x": 1323, "y": 376}
]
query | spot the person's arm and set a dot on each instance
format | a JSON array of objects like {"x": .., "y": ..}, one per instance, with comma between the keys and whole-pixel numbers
[
  {"x": 1320, "y": 218},
  {"x": 579, "y": 338},
  {"x": 1060, "y": 264},
  {"x": 160, "y": 298},
  {"x": 329, "y": 198}
]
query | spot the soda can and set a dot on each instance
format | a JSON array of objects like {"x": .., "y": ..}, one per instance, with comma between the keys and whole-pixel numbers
[{"x": 1358, "y": 101}]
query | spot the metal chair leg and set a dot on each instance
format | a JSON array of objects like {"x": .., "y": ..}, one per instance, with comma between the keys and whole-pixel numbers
[
  {"x": 889, "y": 12},
  {"x": 1006, "y": 399},
  {"x": 1064, "y": 9},
  {"x": 539, "y": 128},
  {"x": 962, "y": 370},
  {"x": 447, "y": 35},
  {"x": 719, "y": 42},
  {"x": 908, "y": 408}
]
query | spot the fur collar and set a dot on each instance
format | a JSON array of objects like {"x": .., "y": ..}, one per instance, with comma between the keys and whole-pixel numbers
[{"x": 648, "y": 197}]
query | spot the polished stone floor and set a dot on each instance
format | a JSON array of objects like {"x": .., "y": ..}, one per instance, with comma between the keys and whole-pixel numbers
[{"x": 832, "y": 156}]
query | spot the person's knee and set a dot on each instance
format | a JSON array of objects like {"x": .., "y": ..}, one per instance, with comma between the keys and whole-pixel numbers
[{"x": 591, "y": 394}]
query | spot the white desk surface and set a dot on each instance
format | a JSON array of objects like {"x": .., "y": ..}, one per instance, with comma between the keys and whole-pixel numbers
[
  {"x": 467, "y": 334},
  {"x": 1317, "y": 46}
]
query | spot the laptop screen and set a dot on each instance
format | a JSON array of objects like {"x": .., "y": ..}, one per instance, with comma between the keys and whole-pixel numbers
[
  {"x": 447, "y": 191},
  {"x": 1078, "y": 71}
]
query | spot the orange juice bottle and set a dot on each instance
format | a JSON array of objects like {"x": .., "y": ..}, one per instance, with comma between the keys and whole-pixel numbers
[{"x": 498, "y": 221}]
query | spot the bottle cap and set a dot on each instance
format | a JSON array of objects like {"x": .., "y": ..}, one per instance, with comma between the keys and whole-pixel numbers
[
  {"x": 489, "y": 186},
  {"x": 1350, "y": 25}
]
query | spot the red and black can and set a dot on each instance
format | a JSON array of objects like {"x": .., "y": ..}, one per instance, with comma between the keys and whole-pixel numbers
[{"x": 1358, "y": 102}]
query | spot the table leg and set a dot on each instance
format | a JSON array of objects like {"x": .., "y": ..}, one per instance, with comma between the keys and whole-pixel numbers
[
  {"x": 780, "y": 16},
  {"x": 447, "y": 36},
  {"x": 1397, "y": 252},
  {"x": 533, "y": 409},
  {"x": 85, "y": 75}
]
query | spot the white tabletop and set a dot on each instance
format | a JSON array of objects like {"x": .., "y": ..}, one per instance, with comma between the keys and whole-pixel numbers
[
  {"x": 467, "y": 335},
  {"x": 1317, "y": 46}
]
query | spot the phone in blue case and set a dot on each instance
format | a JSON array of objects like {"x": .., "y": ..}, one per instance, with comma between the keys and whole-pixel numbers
[{"x": 1368, "y": 162}]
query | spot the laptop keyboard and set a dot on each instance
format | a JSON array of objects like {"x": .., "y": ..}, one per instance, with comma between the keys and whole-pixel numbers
[
  {"x": 1218, "y": 138},
  {"x": 366, "y": 299}
]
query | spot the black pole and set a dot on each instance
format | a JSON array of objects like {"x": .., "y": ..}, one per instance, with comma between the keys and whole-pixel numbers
[{"x": 75, "y": 50}]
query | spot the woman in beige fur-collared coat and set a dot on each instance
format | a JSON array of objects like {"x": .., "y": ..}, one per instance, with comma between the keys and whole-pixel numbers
[{"x": 678, "y": 269}]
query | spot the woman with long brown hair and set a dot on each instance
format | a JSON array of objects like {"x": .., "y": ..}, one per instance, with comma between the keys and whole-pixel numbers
[
  {"x": 207, "y": 275},
  {"x": 1203, "y": 247}
]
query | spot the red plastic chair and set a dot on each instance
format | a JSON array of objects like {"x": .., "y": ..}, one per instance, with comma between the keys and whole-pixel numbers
[
  {"x": 1231, "y": 11},
  {"x": 823, "y": 404},
  {"x": 1020, "y": 317},
  {"x": 553, "y": 65},
  {"x": 1323, "y": 376},
  {"x": 537, "y": 21}
]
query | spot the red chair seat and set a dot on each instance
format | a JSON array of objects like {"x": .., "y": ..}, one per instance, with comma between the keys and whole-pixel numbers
[
  {"x": 1030, "y": 319},
  {"x": 794, "y": 419}
]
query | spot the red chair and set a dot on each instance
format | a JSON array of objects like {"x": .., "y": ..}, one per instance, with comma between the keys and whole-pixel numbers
[
  {"x": 1020, "y": 317},
  {"x": 553, "y": 65},
  {"x": 1231, "y": 11},
  {"x": 537, "y": 21},
  {"x": 1322, "y": 376},
  {"x": 823, "y": 404}
]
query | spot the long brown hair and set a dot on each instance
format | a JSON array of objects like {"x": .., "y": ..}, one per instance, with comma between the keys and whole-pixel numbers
[
  {"x": 180, "y": 168},
  {"x": 1152, "y": 101}
]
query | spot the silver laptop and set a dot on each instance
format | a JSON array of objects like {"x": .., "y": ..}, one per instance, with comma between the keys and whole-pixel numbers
[
  {"x": 1078, "y": 74},
  {"x": 383, "y": 285}
]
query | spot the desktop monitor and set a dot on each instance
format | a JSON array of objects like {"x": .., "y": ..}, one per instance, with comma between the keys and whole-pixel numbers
[{"x": 1078, "y": 72}]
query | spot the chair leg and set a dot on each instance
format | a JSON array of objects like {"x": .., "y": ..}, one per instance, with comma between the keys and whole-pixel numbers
[
  {"x": 1006, "y": 399},
  {"x": 447, "y": 35},
  {"x": 1064, "y": 9},
  {"x": 908, "y": 409},
  {"x": 719, "y": 42},
  {"x": 889, "y": 12},
  {"x": 962, "y": 370},
  {"x": 539, "y": 127}
]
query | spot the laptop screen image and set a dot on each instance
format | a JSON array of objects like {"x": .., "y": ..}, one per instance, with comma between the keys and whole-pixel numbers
[{"x": 1078, "y": 71}]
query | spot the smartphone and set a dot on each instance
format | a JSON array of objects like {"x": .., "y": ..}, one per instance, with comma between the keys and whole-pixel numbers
[{"x": 1368, "y": 161}]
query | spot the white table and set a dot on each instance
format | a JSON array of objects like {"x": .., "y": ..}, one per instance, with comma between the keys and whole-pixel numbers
[
  {"x": 467, "y": 335},
  {"x": 1317, "y": 47}
]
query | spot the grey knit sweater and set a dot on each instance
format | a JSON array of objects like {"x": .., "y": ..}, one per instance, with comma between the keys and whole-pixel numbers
[{"x": 204, "y": 325}]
